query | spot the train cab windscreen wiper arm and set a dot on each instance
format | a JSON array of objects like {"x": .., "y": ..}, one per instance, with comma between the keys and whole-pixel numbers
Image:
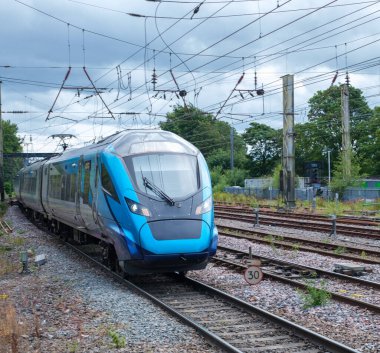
[{"x": 157, "y": 191}]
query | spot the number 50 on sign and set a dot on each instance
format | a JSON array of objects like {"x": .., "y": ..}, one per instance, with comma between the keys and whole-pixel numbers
[{"x": 253, "y": 275}]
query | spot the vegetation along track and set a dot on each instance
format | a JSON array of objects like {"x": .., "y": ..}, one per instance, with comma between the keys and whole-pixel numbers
[
  {"x": 295, "y": 275},
  {"x": 228, "y": 322},
  {"x": 301, "y": 221},
  {"x": 290, "y": 242}
]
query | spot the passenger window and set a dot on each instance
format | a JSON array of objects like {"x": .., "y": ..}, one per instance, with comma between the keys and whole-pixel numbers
[{"x": 107, "y": 183}]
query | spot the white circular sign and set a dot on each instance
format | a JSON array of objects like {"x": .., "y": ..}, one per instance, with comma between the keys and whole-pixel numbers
[{"x": 253, "y": 275}]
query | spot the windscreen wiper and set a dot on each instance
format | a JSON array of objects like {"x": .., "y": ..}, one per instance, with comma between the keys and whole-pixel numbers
[{"x": 157, "y": 191}]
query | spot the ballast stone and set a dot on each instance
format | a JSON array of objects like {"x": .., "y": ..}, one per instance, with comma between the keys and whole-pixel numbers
[{"x": 40, "y": 260}]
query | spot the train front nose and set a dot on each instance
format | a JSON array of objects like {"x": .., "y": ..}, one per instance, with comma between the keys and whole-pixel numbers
[
  {"x": 176, "y": 244},
  {"x": 175, "y": 236}
]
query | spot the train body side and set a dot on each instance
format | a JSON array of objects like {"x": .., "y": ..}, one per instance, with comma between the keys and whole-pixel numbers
[{"x": 104, "y": 191}]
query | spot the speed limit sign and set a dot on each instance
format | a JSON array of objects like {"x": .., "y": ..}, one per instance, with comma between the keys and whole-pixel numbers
[{"x": 253, "y": 275}]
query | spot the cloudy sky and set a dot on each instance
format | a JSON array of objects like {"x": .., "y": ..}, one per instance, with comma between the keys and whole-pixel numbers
[{"x": 202, "y": 48}]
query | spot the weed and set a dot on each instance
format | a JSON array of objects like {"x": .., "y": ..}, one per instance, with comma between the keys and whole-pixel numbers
[
  {"x": 314, "y": 296},
  {"x": 72, "y": 347},
  {"x": 117, "y": 339},
  {"x": 21, "y": 231},
  {"x": 7, "y": 266},
  {"x": 18, "y": 241},
  {"x": 363, "y": 255},
  {"x": 340, "y": 250},
  {"x": 296, "y": 247},
  {"x": 326, "y": 241}
]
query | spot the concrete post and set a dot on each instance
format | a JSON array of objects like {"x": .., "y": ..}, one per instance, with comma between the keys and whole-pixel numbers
[
  {"x": 288, "y": 151},
  {"x": 2, "y": 196},
  {"x": 346, "y": 140}
]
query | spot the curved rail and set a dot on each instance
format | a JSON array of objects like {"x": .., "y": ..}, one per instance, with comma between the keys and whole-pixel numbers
[
  {"x": 284, "y": 220},
  {"x": 351, "y": 253},
  {"x": 239, "y": 265}
]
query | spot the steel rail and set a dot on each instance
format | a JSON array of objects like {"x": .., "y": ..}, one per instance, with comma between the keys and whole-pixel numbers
[
  {"x": 290, "y": 241},
  {"x": 301, "y": 224},
  {"x": 333, "y": 346},
  {"x": 300, "y": 331},
  {"x": 372, "y": 307},
  {"x": 269, "y": 209},
  {"x": 206, "y": 333},
  {"x": 346, "y": 220},
  {"x": 342, "y": 276}
]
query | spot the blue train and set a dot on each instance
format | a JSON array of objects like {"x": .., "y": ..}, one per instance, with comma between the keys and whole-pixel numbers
[{"x": 144, "y": 195}]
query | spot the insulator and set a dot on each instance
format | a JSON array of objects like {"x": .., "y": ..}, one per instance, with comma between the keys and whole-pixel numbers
[{"x": 154, "y": 77}]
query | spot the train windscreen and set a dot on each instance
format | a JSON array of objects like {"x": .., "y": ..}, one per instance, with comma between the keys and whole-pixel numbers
[{"x": 175, "y": 175}]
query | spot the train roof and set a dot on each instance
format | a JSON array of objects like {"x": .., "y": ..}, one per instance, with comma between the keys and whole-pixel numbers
[{"x": 135, "y": 141}]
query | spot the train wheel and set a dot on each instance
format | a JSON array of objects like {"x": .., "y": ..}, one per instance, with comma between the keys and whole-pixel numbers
[{"x": 110, "y": 259}]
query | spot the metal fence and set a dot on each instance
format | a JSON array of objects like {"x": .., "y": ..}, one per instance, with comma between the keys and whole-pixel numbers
[{"x": 307, "y": 194}]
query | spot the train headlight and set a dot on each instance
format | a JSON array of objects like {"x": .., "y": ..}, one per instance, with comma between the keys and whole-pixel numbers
[
  {"x": 137, "y": 208},
  {"x": 204, "y": 207}
]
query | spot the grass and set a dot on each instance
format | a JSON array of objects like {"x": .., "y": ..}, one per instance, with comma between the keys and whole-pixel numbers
[
  {"x": 340, "y": 250},
  {"x": 324, "y": 206},
  {"x": 72, "y": 347},
  {"x": 314, "y": 296},
  {"x": 117, "y": 339}
]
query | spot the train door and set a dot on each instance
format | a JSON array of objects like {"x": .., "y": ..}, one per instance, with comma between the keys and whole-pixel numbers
[{"x": 87, "y": 177}]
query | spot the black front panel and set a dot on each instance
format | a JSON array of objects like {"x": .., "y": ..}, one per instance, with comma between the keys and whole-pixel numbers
[{"x": 176, "y": 229}]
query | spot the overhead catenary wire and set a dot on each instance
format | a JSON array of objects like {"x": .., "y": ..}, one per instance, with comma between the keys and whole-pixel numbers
[{"x": 160, "y": 105}]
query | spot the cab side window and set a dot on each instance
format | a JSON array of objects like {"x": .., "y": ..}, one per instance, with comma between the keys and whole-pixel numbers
[{"x": 107, "y": 183}]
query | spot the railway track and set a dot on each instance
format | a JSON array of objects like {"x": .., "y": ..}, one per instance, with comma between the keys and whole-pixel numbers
[
  {"x": 299, "y": 222},
  {"x": 290, "y": 242},
  {"x": 267, "y": 209},
  {"x": 295, "y": 274},
  {"x": 228, "y": 322}
]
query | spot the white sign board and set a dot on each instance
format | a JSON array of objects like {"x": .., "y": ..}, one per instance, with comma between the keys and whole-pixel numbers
[{"x": 253, "y": 275}]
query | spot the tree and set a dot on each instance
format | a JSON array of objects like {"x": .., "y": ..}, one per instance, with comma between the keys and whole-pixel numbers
[
  {"x": 211, "y": 136},
  {"x": 369, "y": 145},
  {"x": 340, "y": 181},
  {"x": 265, "y": 148},
  {"x": 11, "y": 143},
  {"x": 324, "y": 129}
]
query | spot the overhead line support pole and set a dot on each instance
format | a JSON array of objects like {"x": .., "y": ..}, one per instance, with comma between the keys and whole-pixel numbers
[
  {"x": 2, "y": 196},
  {"x": 346, "y": 140},
  {"x": 288, "y": 151}
]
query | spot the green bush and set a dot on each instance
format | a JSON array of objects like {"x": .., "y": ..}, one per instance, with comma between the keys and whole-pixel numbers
[
  {"x": 117, "y": 339},
  {"x": 314, "y": 296},
  {"x": 8, "y": 188}
]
